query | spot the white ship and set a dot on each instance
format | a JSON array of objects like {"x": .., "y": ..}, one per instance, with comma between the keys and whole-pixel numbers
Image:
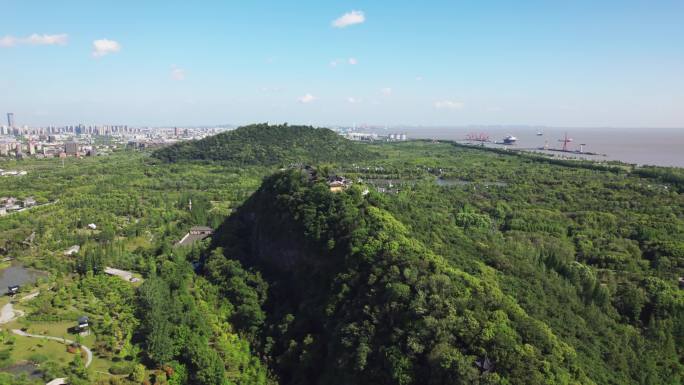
[{"x": 510, "y": 139}]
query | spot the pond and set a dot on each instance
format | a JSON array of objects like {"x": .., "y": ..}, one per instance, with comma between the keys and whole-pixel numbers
[
  {"x": 18, "y": 275},
  {"x": 30, "y": 370}
]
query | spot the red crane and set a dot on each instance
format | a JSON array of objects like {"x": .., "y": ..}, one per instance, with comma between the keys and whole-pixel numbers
[
  {"x": 477, "y": 137},
  {"x": 565, "y": 141}
]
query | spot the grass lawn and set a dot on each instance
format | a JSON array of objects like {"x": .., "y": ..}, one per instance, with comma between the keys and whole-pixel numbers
[
  {"x": 26, "y": 348},
  {"x": 54, "y": 350},
  {"x": 100, "y": 366},
  {"x": 57, "y": 329}
]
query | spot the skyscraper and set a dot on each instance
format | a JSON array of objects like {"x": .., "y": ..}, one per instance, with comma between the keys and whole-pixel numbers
[{"x": 10, "y": 119}]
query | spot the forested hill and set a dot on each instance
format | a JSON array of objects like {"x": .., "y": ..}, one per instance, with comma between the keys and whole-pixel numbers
[
  {"x": 354, "y": 299},
  {"x": 266, "y": 145}
]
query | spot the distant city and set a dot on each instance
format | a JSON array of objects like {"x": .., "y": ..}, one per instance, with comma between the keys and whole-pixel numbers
[
  {"x": 89, "y": 140},
  {"x": 99, "y": 140}
]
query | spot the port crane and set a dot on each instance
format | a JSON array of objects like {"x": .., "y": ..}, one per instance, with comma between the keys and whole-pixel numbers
[
  {"x": 477, "y": 137},
  {"x": 565, "y": 142}
]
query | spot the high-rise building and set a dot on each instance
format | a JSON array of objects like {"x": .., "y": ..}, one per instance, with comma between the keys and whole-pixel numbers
[
  {"x": 71, "y": 148},
  {"x": 10, "y": 119}
]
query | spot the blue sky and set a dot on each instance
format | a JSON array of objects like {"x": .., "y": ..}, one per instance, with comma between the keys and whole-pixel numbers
[{"x": 560, "y": 63}]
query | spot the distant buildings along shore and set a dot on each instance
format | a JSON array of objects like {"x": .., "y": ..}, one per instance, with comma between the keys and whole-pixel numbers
[{"x": 88, "y": 140}]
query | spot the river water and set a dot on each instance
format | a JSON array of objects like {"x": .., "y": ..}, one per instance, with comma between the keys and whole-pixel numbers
[{"x": 661, "y": 147}]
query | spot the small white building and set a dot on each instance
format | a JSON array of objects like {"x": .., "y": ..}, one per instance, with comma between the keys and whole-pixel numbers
[{"x": 83, "y": 323}]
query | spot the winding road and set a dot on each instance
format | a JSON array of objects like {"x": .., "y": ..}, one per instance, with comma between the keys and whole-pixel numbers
[
  {"x": 9, "y": 314},
  {"x": 89, "y": 353}
]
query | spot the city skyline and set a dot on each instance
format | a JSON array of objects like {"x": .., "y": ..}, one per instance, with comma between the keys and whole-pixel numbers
[{"x": 583, "y": 64}]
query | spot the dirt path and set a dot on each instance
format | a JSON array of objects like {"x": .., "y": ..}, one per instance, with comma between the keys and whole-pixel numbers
[
  {"x": 58, "y": 381},
  {"x": 89, "y": 353},
  {"x": 9, "y": 314},
  {"x": 30, "y": 296},
  {"x": 6, "y": 313}
]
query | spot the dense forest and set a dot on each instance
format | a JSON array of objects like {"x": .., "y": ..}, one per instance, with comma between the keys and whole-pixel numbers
[
  {"x": 436, "y": 263},
  {"x": 356, "y": 299},
  {"x": 359, "y": 297},
  {"x": 268, "y": 145}
]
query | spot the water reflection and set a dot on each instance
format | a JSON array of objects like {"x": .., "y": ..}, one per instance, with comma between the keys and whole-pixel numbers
[{"x": 18, "y": 275}]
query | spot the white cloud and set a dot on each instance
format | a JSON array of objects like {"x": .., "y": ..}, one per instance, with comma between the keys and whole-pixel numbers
[
  {"x": 353, "y": 100},
  {"x": 308, "y": 98},
  {"x": 349, "y": 18},
  {"x": 386, "y": 91},
  {"x": 104, "y": 47},
  {"x": 34, "y": 39},
  {"x": 449, "y": 105},
  {"x": 59, "y": 39},
  {"x": 338, "y": 62},
  {"x": 177, "y": 73}
]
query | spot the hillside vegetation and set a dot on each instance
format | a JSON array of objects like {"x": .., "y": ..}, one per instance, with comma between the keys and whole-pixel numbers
[
  {"x": 363, "y": 302},
  {"x": 265, "y": 145},
  {"x": 550, "y": 282},
  {"x": 441, "y": 264},
  {"x": 356, "y": 298}
]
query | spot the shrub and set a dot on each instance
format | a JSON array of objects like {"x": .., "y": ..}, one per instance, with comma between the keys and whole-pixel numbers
[
  {"x": 37, "y": 358},
  {"x": 122, "y": 368}
]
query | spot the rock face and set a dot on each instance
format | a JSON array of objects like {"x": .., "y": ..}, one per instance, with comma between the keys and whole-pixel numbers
[
  {"x": 264, "y": 233},
  {"x": 279, "y": 249}
]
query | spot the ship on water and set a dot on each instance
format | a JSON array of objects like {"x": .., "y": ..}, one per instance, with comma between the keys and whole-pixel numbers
[
  {"x": 510, "y": 139},
  {"x": 539, "y": 132}
]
